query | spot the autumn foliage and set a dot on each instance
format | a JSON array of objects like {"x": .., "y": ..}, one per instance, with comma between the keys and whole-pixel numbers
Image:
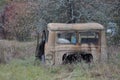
[{"x": 17, "y": 20}]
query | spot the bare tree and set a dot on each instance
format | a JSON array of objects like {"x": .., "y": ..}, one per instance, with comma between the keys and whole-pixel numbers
[{"x": 42, "y": 12}]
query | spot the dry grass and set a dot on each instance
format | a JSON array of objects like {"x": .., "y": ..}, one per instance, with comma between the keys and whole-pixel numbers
[
  {"x": 22, "y": 65},
  {"x": 15, "y": 49},
  {"x": 26, "y": 70}
]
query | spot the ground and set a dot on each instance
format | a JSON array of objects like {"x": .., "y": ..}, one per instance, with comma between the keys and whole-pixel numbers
[{"x": 25, "y": 67}]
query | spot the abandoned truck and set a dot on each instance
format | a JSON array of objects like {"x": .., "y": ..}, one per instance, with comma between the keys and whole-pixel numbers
[{"x": 68, "y": 43}]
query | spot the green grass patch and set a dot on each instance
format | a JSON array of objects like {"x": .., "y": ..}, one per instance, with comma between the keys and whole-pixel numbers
[{"x": 25, "y": 69}]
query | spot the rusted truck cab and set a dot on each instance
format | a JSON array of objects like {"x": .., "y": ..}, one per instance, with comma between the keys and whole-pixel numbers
[{"x": 85, "y": 41}]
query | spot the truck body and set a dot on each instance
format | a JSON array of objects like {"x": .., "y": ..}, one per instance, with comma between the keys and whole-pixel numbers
[{"x": 69, "y": 43}]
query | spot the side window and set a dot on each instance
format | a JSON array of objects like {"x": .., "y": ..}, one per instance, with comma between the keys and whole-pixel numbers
[
  {"x": 88, "y": 37},
  {"x": 66, "y": 38}
]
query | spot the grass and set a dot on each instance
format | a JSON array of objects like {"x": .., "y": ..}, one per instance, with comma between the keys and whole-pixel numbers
[
  {"x": 23, "y": 67},
  {"x": 23, "y": 70},
  {"x": 14, "y": 49},
  {"x": 19, "y": 69}
]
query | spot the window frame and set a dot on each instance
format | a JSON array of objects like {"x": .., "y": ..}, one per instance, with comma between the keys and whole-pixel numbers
[{"x": 77, "y": 36}]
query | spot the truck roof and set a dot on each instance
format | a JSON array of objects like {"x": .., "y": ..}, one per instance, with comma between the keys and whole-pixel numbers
[{"x": 76, "y": 26}]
